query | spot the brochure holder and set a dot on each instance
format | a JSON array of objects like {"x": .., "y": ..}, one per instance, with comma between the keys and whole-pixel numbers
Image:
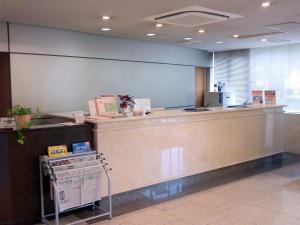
[{"x": 81, "y": 168}]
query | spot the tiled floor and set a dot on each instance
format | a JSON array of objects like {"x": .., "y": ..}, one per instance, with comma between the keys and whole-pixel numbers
[{"x": 270, "y": 198}]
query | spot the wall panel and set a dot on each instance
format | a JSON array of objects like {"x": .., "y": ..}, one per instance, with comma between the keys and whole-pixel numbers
[
  {"x": 65, "y": 84},
  {"x": 33, "y": 39}
]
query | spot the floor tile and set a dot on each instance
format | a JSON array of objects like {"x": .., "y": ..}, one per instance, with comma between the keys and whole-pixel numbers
[
  {"x": 248, "y": 213},
  {"x": 180, "y": 222},
  {"x": 289, "y": 208},
  {"x": 208, "y": 199},
  {"x": 278, "y": 220},
  {"x": 230, "y": 220},
  {"x": 149, "y": 216},
  {"x": 172, "y": 204},
  {"x": 196, "y": 214}
]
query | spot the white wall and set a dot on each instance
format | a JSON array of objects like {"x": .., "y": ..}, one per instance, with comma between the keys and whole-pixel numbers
[
  {"x": 32, "y": 39},
  {"x": 55, "y": 84},
  {"x": 3, "y": 37},
  {"x": 292, "y": 132},
  {"x": 54, "y": 81}
]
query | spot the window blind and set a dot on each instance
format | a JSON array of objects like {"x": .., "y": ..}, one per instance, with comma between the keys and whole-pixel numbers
[{"x": 232, "y": 68}]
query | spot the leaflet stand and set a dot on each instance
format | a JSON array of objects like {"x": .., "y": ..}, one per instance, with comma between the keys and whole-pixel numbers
[{"x": 47, "y": 170}]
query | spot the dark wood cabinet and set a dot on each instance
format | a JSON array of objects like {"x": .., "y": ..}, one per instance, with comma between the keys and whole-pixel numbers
[{"x": 19, "y": 169}]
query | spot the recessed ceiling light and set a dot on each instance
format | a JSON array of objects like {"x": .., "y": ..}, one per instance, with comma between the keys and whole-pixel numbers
[
  {"x": 188, "y": 38},
  {"x": 236, "y": 36},
  {"x": 105, "y": 29},
  {"x": 105, "y": 17},
  {"x": 219, "y": 42},
  {"x": 264, "y": 40},
  {"x": 201, "y": 31},
  {"x": 265, "y": 4},
  {"x": 151, "y": 34},
  {"x": 159, "y": 25}
]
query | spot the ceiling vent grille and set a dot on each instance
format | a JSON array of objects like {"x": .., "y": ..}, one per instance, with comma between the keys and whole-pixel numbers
[
  {"x": 192, "y": 16},
  {"x": 286, "y": 26},
  {"x": 280, "y": 41},
  {"x": 189, "y": 42},
  {"x": 247, "y": 36}
]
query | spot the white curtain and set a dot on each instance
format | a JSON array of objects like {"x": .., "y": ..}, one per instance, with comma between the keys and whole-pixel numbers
[
  {"x": 271, "y": 68},
  {"x": 277, "y": 68}
]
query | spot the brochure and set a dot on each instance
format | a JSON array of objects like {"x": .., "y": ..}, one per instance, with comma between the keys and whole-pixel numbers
[
  {"x": 270, "y": 97},
  {"x": 93, "y": 109},
  {"x": 81, "y": 147},
  {"x": 143, "y": 104},
  {"x": 106, "y": 106},
  {"x": 257, "y": 97}
]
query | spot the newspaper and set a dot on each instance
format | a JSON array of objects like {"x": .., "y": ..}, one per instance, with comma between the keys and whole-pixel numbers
[
  {"x": 69, "y": 193},
  {"x": 67, "y": 161},
  {"x": 75, "y": 165},
  {"x": 78, "y": 186},
  {"x": 91, "y": 185}
]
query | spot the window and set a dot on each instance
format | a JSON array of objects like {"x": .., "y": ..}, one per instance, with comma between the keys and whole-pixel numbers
[
  {"x": 271, "y": 68},
  {"x": 232, "y": 68},
  {"x": 277, "y": 68}
]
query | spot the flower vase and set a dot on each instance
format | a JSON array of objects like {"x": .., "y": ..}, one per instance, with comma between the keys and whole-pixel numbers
[{"x": 127, "y": 111}]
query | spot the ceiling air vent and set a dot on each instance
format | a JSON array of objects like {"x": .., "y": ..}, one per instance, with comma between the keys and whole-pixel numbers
[
  {"x": 192, "y": 16},
  {"x": 286, "y": 26},
  {"x": 259, "y": 34},
  {"x": 280, "y": 41},
  {"x": 189, "y": 42}
]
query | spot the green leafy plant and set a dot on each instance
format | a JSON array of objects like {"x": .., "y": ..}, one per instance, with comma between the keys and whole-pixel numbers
[
  {"x": 20, "y": 137},
  {"x": 17, "y": 112}
]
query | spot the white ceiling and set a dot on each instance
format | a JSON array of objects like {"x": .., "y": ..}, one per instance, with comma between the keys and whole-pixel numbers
[{"x": 128, "y": 19}]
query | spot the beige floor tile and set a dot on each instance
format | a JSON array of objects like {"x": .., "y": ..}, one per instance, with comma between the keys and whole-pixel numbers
[
  {"x": 172, "y": 203},
  {"x": 230, "y": 220},
  {"x": 282, "y": 194},
  {"x": 248, "y": 213},
  {"x": 180, "y": 222},
  {"x": 149, "y": 216},
  {"x": 273, "y": 179},
  {"x": 225, "y": 187},
  {"x": 196, "y": 214},
  {"x": 282, "y": 206},
  {"x": 208, "y": 199},
  {"x": 226, "y": 206},
  {"x": 278, "y": 220},
  {"x": 245, "y": 196}
]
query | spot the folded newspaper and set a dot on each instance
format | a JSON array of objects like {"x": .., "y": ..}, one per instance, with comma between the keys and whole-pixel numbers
[{"x": 78, "y": 181}]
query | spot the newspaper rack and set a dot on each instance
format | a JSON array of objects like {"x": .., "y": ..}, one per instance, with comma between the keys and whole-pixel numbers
[{"x": 46, "y": 169}]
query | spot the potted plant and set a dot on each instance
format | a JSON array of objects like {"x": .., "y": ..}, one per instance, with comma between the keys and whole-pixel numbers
[
  {"x": 126, "y": 103},
  {"x": 22, "y": 117}
]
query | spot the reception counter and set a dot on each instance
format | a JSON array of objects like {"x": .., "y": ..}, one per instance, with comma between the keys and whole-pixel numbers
[{"x": 172, "y": 144}]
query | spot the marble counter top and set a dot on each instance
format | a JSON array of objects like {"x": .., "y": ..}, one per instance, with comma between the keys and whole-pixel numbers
[{"x": 157, "y": 114}]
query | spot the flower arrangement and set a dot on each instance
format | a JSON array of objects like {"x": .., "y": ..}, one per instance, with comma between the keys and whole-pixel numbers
[{"x": 126, "y": 100}]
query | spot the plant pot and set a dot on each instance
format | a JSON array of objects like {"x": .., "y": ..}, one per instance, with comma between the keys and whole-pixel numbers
[{"x": 23, "y": 121}]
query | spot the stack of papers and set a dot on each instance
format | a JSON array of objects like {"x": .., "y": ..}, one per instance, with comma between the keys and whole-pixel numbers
[{"x": 78, "y": 181}]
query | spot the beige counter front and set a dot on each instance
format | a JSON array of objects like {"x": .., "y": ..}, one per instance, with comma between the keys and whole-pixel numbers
[{"x": 173, "y": 144}]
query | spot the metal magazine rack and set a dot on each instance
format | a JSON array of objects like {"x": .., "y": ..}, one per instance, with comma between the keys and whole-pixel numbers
[{"x": 75, "y": 182}]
